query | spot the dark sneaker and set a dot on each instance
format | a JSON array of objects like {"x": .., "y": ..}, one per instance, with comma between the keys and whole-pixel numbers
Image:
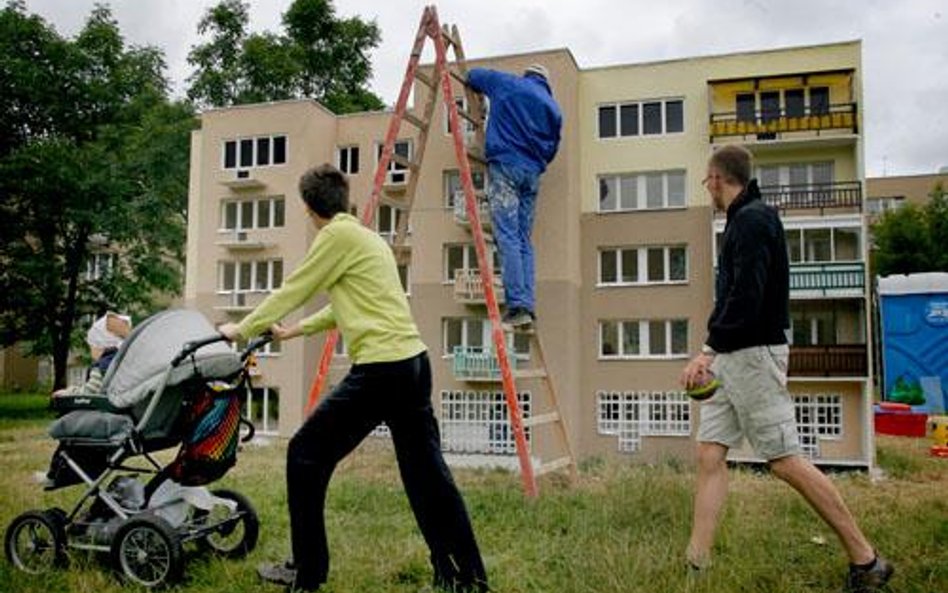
[
  {"x": 516, "y": 317},
  {"x": 871, "y": 579}
]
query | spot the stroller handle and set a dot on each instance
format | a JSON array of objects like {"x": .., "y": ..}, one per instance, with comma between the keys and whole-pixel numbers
[
  {"x": 257, "y": 343},
  {"x": 192, "y": 347}
]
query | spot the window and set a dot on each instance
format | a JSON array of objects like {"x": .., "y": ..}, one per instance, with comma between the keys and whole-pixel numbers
[
  {"x": 819, "y": 100},
  {"x": 479, "y": 422},
  {"x": 770, "y": 105},
  {"x": 644, "y": 265},
  {"x": 340, "y": 347},
  {"x": 643, "y": 339},
  {"x": 746, "y": 107},
  {"x": 794, "y": 101},
  {"x": 263, "y": 409},
  {"x": 642, "y": 191},
  {"x": 347, "y": 159},
  {"x": 837, "y": 244},
  {"x": 630, "y": 415},
  {"x": 819, "y": 417},
  {"x": 249, "y": 276},
  {"x": 260, "y": 151},
  {"x": 468, "y": 127},
  {"x": 463, "y": 256},
  {"x": 404, "y": 275},
  {"x": 475, "y": 333},
  {"x": 386, "y": 221},
  {"x": 645, "y": 118},
  {"x": 397, "y": 173},
  {"x": 254, "y": 213},
  {"x": 100, "y": 265},
  {"x": 452, "y": 185}
]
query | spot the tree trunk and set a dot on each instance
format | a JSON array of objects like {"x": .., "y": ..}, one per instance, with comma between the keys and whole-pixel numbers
[{"x": 60, "y": 362}]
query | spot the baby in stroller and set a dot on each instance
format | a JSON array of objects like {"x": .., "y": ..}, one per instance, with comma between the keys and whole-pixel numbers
[{"x": 173, "y": 381}]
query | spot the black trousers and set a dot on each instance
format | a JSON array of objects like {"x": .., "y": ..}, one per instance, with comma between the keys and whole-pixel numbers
[{"x": 399, "y": 394}]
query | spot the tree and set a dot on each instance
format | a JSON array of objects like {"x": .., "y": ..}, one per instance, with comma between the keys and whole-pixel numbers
[
  {"x": 320, "y": 56},
  {"x": 94, "y": 157},
  {"x": 912, "y": 239}
]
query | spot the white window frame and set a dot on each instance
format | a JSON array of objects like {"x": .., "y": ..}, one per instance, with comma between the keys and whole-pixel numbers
[
  {"x": 393, "y": 170},
  {"x": 265, "y": 418},
  {"x": 396, "y": 213},
  {"x": 469, "y": 260},
  {"x": 643, "y": 326},
  {"x": 468, "y": 127},
  {"x": 630, "y": 415},
  {"x": 618, "y": 105},
  {"x": 819, "y": 417},
  {"x": 802, "y": 230},
  {"x": 253, "y": 159},
  {"x": 255, "y": 223},
  {"x": 478, "y": 177},
  {"x": 100, "y": 265},
  {"x": 478, "y": 422},
  {"x": 270, "y": 285},
  {"x": 641, "y": 255},
  {"x": 348, "y": 149},
  {"x": 487, "y": 340},
  {"x": 641, "y": 181}
]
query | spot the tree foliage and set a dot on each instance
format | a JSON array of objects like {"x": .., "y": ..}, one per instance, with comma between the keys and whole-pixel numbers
[
  {"x": 913, "y": 239},
  {"x": 319, "y": 56},
  {"x": 93, "y": 159}
]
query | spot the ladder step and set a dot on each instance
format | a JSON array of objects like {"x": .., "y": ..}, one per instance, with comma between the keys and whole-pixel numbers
[
  {"x": 458, "y": 76},
  {"x": 449, "y": 38},
  {"x": 529, "y": 373},
  {"x": 469, "y": 116},
  {"x": 552, "y": 466},
  {"x": 424, "y": 79},
  {"x": 404, "y": 161},
  {"x": 541, "y": 419},
  {"x": 415, "y": 121},
  {"x": 476, "y": 156}
]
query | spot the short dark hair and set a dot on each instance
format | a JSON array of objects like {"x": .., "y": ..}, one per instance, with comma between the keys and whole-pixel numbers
[
  {"x": 734, "y": 162},
  {"x": 325, "y": 190}
]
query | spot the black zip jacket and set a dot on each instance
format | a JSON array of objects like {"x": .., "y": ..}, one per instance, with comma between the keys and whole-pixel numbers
[{"x": 752, "y": 288}]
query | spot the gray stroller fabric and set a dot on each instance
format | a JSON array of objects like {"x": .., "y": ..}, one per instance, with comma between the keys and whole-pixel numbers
[
  {"x": 92, "y": 426},
  {"x": 145, "y": 356}
]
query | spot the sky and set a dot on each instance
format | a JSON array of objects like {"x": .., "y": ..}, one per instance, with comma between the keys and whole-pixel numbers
[{"x": 905, "y": 45}]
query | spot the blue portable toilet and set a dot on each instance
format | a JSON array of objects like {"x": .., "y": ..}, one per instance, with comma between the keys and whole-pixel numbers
[{"x": 914, "y": 321}]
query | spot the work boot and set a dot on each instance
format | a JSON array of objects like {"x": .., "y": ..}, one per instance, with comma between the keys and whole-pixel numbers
[
  {"x": 283, "y": 573},
  {"x": 869, "y": 579},
  {"x": 516, "y": 317}
]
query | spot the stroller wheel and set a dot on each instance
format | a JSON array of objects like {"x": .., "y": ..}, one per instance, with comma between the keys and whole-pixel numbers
[
  {"x": 35, "y": 542},
  {"x": 148, "y": 552},
  {"x": 237, "y": 531}
]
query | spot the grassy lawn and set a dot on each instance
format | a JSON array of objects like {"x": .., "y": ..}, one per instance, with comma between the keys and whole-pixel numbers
[{"x": 621, "y": 529}]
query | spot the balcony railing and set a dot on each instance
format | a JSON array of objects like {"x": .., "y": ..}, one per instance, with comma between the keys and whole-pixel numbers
[
  {"x": 827, "y": 280},
  {"x": 822, "y": 196},
  {"x": 469, "y": 288},
  {"x": 847, "y": 360},
  {"x": 767, "y": 124},
  {"x": 474, "y": 363},
  {"x": 240, "y": 240},
  {"x": 235, "y": 302}
]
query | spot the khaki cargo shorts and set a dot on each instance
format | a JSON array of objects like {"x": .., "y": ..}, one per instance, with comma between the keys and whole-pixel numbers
[{"x": 752, "y": 402}]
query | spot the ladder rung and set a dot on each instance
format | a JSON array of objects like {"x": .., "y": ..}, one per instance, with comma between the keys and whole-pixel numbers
[
  {"x": 447, "y": 37},
  {"x": 541, "y": 419},
  {"x": 529, "y": 373},
  {"x": 415, "y": 121},
  {"x": 424, "y": 79},
  {"x": 552, "y": 466},
  {"x": 469, "y": 116},
  {"x": 458, "y": 76},
  {"x": 404, "y": 161}
]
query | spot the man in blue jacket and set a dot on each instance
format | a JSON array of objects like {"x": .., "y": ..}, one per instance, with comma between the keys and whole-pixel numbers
[{"x": 523, "y": 134}]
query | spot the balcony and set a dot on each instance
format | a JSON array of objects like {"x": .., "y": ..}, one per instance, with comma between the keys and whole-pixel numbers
[
  {"x": 779, "y": 123},
  {"x": 469, "y": 288},
  {"x": 845, "y": 360},
  {"x": 242, "y": 181},
  {"x": 842, "y": 195},
  {"x": 240, "y": 241},
  {"x": 235, "y": 303},
  {"x": 460, "y": 209},
  {"x": 827, "y": 280},
  {"x": 475, "y": 363}
]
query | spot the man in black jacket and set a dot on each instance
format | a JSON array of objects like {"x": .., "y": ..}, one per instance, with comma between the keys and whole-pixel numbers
[{"x": 747, "y": 351}]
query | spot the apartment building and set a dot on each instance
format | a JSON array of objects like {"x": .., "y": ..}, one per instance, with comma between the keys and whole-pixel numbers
[
  {"x": 893, "y": 191},
  {"x": 625, "y": 241}
]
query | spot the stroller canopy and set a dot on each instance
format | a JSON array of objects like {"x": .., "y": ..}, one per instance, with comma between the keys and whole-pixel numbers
[{"x": 147, "y": 353}]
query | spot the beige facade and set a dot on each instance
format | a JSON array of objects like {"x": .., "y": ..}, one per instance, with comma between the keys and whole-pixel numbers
[
  {"x": 887, "y": 193},
  {"x": 624, "y": 236}
]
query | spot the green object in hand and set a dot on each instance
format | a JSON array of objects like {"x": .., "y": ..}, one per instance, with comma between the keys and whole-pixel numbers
[{"x": 705, "y": 390}]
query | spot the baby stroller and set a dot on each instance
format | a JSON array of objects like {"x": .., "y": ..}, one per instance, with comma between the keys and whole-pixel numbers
[{"x": 173, "y": 382}]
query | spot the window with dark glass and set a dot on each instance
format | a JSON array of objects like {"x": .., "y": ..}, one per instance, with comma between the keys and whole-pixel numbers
[
  {"x": 263, "y": 151},
  {"x": 745, "y": 107},
  {"x": 794, "y": 100},
  {"x": 607, "y": 121},
  {"x": 230, "y": 154},
  {"x": 279, "y": 150},
  {"x": 674, "y": 117},
  {"x": 652, "y": 118},
  {"x": 819, "y": 100},
  {"x": 629, "y": 120},
  {"x": 246, "y": 153},
  {"x": 770, "y": 105}
]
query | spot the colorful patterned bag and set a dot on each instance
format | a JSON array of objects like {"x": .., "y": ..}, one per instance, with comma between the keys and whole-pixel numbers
[{"x": 211, "y": 428}]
